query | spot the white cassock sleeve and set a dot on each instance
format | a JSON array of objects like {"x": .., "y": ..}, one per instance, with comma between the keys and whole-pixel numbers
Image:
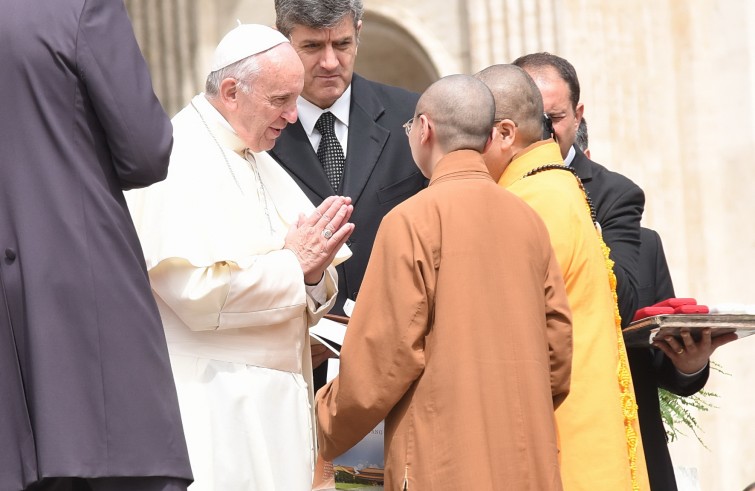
[{"x": 225, "y": 296}]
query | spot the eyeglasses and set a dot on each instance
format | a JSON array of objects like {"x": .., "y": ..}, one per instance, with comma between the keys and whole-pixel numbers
[{"x": 408, "y": 125}]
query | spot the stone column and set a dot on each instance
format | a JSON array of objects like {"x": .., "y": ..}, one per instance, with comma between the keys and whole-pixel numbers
[
  {"x": 502, "y": 30},
  {"x": 168, "y": 34}
]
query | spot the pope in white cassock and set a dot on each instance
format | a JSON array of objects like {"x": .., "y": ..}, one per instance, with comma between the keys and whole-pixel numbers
[{"x": 241, "y": 265}]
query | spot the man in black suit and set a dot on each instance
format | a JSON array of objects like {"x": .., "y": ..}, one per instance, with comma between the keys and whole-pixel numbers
[
  {"x": 617, "y": 200},
  {"x": 682, "y": 369},
  {"x": 651, "y": 369},
  {"x": 368, "y": 156}
]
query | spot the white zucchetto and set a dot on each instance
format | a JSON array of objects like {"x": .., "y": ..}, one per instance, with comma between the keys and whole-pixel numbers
[{"x": 244, "y": 41}]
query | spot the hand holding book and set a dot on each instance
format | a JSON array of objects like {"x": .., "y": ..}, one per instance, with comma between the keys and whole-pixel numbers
[{"x": 685, "y": 331}]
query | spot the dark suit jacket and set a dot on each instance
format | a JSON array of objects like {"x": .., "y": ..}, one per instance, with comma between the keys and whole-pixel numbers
[
  {"x": 86, "y": 387},
  {"x": 651, "y": 369},
  {"x": 379, "y": 172},
  {"x": 618, "y": 205}
]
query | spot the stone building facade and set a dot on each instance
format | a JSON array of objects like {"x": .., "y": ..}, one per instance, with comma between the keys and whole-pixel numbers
[{"x": 669, "y": 92}]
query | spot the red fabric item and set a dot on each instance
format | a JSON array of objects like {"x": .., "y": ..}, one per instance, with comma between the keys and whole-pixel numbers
[
  {"x": 691, "y": 309},
  {"x": 676, "y": 302},
  {"x": 651, "y": 311}
]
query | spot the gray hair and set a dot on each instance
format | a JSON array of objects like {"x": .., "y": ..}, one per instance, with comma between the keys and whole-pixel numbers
[
  {"x": 315, "y": 14},
  {"x": 243, "y": 71},
  {"x": 582, "y": 140}
]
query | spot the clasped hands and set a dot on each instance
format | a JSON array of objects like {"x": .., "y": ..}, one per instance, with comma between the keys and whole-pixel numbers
[
  {"x": 689, "y": 356},
  {"x": 315, "y": 239}
]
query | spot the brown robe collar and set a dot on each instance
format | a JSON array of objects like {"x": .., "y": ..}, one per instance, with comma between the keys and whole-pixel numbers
[{"x": 460, "y": 164}]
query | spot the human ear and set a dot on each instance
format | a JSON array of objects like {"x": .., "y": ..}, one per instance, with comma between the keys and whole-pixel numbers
[
  {"x": 424, "y": 129},
  {"x": 229, "y": 88},
  {"x": 507, "y": 129},
  {"x": 579, "y": 112},
  {"x": 356, "y": 41},
  {"x": 494, "y": 134}
]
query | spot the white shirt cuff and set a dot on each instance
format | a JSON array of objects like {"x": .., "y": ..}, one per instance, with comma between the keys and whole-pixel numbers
[{"x": 691, "y": 375}]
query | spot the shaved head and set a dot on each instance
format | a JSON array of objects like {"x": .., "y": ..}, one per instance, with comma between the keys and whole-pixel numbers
[
  {"x": 462, "y": 110},
  {"x": 517, "y": 98}
]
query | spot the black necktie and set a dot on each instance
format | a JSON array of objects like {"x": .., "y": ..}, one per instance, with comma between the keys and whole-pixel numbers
[{"x": 330, "y": 152}]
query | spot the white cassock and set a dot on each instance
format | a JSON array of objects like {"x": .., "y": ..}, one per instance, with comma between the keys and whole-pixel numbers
[{"x": 234, "y": 306}]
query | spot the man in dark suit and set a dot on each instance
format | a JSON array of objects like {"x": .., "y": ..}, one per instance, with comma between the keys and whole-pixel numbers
[
  {"x": 378, "y": 171},
  {"x": 682, "y": 369},
  {"x": 651, "y": 368},
  {"x": 360, "y": 151},
  {"x": 87, "y": 396},
  {"x": 617, "y": 200}
]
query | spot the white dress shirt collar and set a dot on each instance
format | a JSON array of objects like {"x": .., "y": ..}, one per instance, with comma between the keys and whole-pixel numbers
[
  {"x": 309, "y": 114},
  {"x": 570, "y": 156}
]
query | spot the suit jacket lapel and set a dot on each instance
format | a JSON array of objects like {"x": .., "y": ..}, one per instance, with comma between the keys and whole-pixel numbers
[
  {"x": 366, "y": 138},
  {"x": 294, "y": 152}
]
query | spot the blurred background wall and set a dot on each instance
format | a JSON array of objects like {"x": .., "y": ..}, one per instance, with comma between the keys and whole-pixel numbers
[{"x": 670, "y": 99}]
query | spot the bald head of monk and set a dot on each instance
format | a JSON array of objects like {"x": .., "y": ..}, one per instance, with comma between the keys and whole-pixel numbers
[
  {"x": 518, "y": 114},
  {"x": 455, "y": 113}
]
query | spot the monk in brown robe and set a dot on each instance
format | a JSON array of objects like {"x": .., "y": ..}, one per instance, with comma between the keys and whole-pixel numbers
[{"x": 461, "y": 334}]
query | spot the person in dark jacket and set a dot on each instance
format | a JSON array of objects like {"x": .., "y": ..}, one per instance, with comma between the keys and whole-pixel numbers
[
  {"x": 680, "y": 368},
  {"x": 88, "y": 399},
  {"x": 651, "y": 368}
]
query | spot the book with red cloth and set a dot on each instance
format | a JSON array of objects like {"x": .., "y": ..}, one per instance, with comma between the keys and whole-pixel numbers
[
  {"x": 671, "y": 316},
  {"x": 671, "y": 306}
]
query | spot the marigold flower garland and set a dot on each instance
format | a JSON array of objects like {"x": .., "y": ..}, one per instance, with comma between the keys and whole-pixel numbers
[{"x": 628, "y": 402}]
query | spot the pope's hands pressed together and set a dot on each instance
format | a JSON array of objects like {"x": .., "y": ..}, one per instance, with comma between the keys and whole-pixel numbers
[{"x": 317, "y": 238}]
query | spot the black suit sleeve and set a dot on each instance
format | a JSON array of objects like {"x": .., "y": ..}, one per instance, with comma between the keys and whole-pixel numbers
[
  {"x": 664, "y": 286},
  {"x": 669, "y": 378},
  {"x": 619, "y": 204},
  {"x": 653, "y": 262},
  {"x": 619, "y": 219}
]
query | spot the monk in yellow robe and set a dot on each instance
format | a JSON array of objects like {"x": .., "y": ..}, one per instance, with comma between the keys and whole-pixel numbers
[
  {"x": 599, "y": 435},
  {"x": 461, "y": 335}
]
